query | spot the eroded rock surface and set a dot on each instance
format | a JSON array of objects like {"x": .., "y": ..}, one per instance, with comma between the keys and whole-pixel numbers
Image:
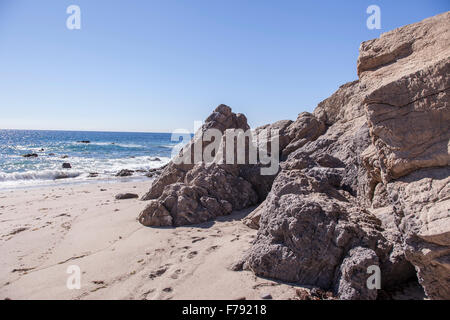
[
  {"x": 363, "y": 180},
  {"x": 374, "y": 188}
]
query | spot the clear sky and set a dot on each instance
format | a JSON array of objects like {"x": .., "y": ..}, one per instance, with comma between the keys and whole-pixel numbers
[{"x": 160, "y": 65}]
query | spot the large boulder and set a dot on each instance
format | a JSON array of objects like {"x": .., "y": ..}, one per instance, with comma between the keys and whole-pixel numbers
[
  {"x": 422, "y": 201},
  {"x": 407, "y": 76},
  {"x": 221, "y": 119},
  {"x": 193, "y": 191},
  {"x": 308, "y": 225},
  {"x": 374, "y": 187},
  {"x": 363, "y": 181}
]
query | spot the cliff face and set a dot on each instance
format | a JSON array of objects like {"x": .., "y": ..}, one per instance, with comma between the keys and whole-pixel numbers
[{"x": 364, "y": 180}]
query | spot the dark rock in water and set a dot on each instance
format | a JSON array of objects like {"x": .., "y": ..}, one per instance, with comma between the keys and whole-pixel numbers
[
  {"x": 124, "y": 196},
  {"x": 93, "y": 175},
  {"x": 41, "y": 150},
  {"x": 51, "y": 154},
  {"x": 154, "y": 172},
  {"x": 125, "y": 173},
  {"x": 30, "y": 155},
  {"x": 84, "y": 141},
  {"x": 66, "y": 165},
  {"x": 155, "y": 159},
  {"x": 64, "y": 157}
]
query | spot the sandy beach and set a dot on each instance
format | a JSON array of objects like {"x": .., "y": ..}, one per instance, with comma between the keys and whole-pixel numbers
[
  {"x": 225, "y": 151},
  {"x": 46, "y": 230}
]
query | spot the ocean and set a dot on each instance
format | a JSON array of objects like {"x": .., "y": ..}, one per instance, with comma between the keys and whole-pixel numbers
[{"x": 105, "y": 155}]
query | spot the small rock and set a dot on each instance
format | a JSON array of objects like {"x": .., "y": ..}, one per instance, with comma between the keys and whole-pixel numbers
[
  {"x": 125, "y": 173},
  {"x": 267, "y": 296},
  {"x": 66, "y": 165},
  {"x": 93, "y": 175},
  {"x": 303, "y": 294},
  {"x": 30, "y": 155},
  {"x": 61, "y": 176},
  {"x": 84, "y": 141},
  {"x": 123, "y": 196},
  {"x": 64, "y": 157}
]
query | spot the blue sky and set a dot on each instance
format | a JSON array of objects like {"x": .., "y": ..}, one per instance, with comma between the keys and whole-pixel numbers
[{"x": 160, "y": 65}]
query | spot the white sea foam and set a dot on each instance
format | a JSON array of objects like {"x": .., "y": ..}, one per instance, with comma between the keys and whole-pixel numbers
[
  {"x": 48, "y": 172},
  {"x": 39, "y": 175}
]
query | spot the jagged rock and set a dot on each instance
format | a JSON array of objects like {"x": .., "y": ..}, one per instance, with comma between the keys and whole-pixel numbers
[
  {"x": 284, "y": 131},
  {"x": 155, "y": 214},
  {"x": 422, "y": 202},
  {"x": 307, "y": 227},
  {"x": 363, "y": 180},
  {"x": 373, "y": 186},
  {"x": 352, "y": 275},
  {"x": 252, "y": 220},
  {"x": 208, "y": 191},
  {"x": 305, "y": 129},
  {"x": 407, "y": 76},
  {"x": 221, "y": 119},
  {"x": 196, "y": 192}
]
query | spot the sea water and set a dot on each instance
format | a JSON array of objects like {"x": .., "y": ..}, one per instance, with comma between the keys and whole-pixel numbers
[{"x": 105, "y": 155}]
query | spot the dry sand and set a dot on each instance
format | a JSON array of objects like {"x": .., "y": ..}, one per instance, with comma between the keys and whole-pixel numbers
[{"x": 45, "y": 230}]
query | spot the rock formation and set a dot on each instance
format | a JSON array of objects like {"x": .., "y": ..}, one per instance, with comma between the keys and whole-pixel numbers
[
  {"x": 363, "y": 181},
  {"x": 126, "y": 196}
]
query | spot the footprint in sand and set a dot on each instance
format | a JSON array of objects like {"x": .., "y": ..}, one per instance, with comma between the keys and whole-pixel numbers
[
  {"x": 66, "y": 225},
  {"x": 176, "y": 274},
  {"x": 235, "y": 239},
  {"x": 145, "y": 294},
  {"x": 213, "y": 248},
  {"x": 192, "y": 254},
  {"x": 158, "y": 272},
  {"x": 197, "y": 239}
]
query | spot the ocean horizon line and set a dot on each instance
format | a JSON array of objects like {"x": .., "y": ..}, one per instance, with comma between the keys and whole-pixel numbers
[{"x": 88, "y": 131}]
